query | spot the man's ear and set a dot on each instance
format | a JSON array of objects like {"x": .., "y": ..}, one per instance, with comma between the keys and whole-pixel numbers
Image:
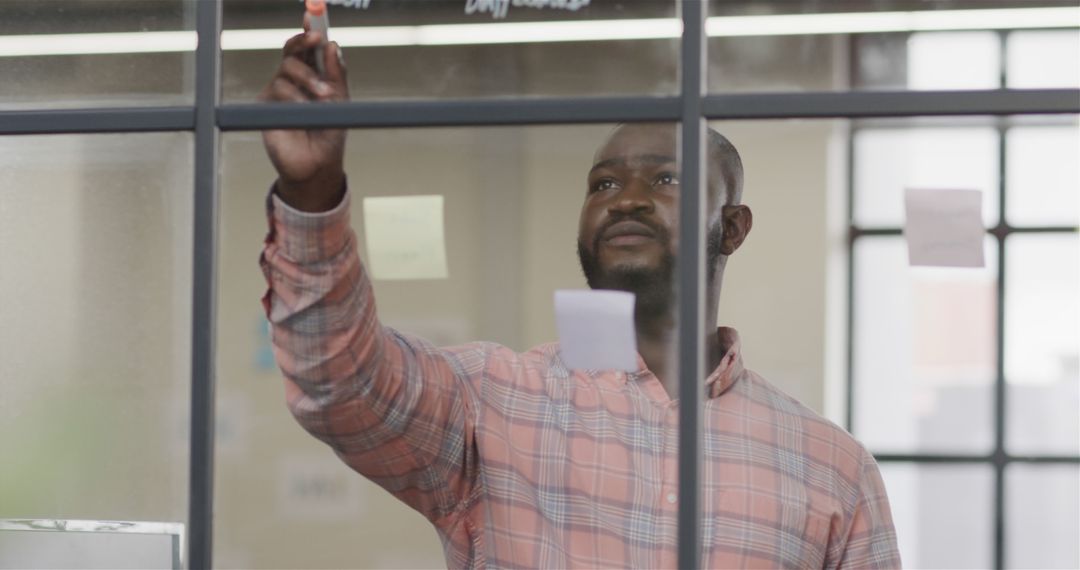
[{"x": 738, "y": 219}]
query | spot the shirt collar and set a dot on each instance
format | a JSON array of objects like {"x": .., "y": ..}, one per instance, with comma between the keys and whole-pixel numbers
[
  {"x": 726, "y": 373},
  {"x": 731, "y": 364}
]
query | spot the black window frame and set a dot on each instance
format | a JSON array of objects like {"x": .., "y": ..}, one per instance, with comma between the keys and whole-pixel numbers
[
  {"x": 998, "y": 458},
  {"x": 207, "y": 118}
]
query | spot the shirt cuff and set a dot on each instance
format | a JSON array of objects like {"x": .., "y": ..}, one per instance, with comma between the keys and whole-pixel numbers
[{"x": 307, "y": 237}]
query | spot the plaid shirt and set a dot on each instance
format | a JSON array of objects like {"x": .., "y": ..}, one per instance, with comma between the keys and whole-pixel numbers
[{"x": 522, "y": 463}]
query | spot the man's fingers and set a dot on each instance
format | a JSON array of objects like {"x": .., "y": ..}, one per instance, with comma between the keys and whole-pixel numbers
[
  {"x": 299, "y": 44},
  {"x": 305, "y": 78},
  {"x": 293, "y": 45},
  {"x": 282, "y": 90},
  {"x": 336, "y": 74}
]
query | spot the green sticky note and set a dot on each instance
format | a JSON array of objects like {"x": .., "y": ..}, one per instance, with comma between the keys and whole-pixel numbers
[{"x": 405, "y": 237}]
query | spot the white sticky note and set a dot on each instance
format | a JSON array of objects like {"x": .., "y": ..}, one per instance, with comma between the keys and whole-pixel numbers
[
  {"x": 596, "y": 329},
  {"x": 944, "y": 228},
  {"x": 318, "y": 487},
  {"x": 404, "y": 236}
]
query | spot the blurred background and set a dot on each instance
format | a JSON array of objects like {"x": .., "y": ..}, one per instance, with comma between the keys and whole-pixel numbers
[{"x": 95, "y": 273}]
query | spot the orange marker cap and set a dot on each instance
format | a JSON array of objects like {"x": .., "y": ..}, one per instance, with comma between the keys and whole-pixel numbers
[{"x": 315, "y": 7}]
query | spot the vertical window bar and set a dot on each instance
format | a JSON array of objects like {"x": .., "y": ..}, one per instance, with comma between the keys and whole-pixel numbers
[
  {"x": 691, "y": 287},
  {"x": 849, "y": 396},
  {"x": 201, "y": 462},
  {"x": 1000, "y": 234}
]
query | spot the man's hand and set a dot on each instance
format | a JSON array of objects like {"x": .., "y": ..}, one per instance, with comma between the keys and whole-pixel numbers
[{"x": 309, "y": 162}]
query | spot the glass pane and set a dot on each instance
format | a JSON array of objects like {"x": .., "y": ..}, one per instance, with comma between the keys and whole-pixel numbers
[
  {"x": 954, "y": 60},
  {"x": 510, "y": 204},
  {"x": 889, "y": 160},
  {"x": 1042, "y": 516},
  {"x": 92, "y": 53},
  {"x": 944, "y": 514},
  {"x": 94, "y": 350},
  {"x": 924, "y": 360},
  {"x": 1040, "y": 59},
  {"x": 453, "y": 49},
  {"x": 840, "y": 45},
  {"x": 1042, "y": 343},
  {"x": 780, "y": 289},
  {"x": 1042, "y": 181}
]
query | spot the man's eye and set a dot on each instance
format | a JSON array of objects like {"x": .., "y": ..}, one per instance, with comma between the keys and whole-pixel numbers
[
  {"x": 603, "y": 184},
  {"x": 667, "y": 179}
]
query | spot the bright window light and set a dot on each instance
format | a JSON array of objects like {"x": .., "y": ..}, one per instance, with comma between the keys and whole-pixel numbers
[{"x": 570, "y": 31}]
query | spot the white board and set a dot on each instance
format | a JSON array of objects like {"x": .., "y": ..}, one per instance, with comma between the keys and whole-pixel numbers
[{"x": 51, "y": 543}]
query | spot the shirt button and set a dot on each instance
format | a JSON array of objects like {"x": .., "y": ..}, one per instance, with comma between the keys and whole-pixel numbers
[{"x": 671, "y": 498}]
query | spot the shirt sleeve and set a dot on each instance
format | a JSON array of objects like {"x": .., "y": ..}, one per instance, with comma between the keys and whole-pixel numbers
[
  {"x": 871, "y": 539},
  {"x": 393, "y": 407}
]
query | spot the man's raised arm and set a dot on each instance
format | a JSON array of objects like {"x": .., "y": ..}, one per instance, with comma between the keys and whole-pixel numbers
[{"x": 394, "y": 408}]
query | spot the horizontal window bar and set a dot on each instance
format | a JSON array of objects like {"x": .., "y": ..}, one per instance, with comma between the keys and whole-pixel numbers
[
  {"x": 463, "y": 112},
  {"x": 1003, "y": 229},
  {"x": 526, "y": 111},
  {"x": 946, "y": 458},
  {"x": 601, "y": 110},
  {"x": 857, "y": 104},
  {"x": 97, "y": 120}
]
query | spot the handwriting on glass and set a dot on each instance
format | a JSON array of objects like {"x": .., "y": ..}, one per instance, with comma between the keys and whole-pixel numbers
[
  {"x": 361, "y": 4},
  {"x": 499, "y": 8}
]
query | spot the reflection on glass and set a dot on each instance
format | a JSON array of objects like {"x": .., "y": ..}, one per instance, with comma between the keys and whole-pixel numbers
[
  {"x": 47, "y": 59},
  {"x": 954, "y": 60},
  {"x": 511, "y": 203},
  {"x": 442, "y": 49},
  {"x": 1042, "y": 343},
  {"x": 924, "y": 355},
  {"x": 1043, "y": 181},
  {"x": 889, "y": 160},
  {"x": 943, "y": 514},
  {"x": 511, "y": 199},
  {"x": 1042, "y": 516},
  {"x": 1043, "y": 59},
  {"x": 95, "y": 305},
  {"x": 823, "y": 46}
]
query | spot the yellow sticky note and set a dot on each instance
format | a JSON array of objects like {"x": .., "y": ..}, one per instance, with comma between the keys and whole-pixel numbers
[{"x": 405, "y": 238}]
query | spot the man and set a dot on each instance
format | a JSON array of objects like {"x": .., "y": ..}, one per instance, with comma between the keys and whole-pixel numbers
[{"x": 518, "y": 461}]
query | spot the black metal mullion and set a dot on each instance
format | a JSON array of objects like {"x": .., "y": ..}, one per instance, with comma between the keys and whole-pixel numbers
[
  {"x": 1000, "y": 456},
  {"x": 495, "y": 112},
  {"x": 204, "y": 284},
  {"x": 858, "y": 104},
  {"x": 976, "y": 458},
  {"x": 849, "y": 403},
  {"x": 690, "y": 285},
  {"x": 859, "y": 232},
  {"x": 104, "y": 120},
  {"x": 1000, "y": 459},
  {"x": 450, "y": 112}
]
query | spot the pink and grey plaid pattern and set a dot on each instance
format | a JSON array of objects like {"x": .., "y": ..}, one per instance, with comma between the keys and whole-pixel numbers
[{"x": 521, "y": 463}]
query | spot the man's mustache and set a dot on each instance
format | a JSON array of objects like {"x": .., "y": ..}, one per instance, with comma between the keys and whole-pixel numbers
[{"x": 661, "y": 232}]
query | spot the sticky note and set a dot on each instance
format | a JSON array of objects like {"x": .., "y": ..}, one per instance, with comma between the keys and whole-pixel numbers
[
  {"x": 405, "y": 238},
  {"x": 596, "y": 329},
  {"x": 944, "y": 228}
]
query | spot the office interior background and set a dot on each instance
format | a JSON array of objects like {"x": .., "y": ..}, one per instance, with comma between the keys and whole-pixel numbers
[{"x": 96, "y": 266}]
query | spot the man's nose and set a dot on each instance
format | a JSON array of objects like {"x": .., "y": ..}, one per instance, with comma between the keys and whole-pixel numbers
[{"x": 634, "y": 197}]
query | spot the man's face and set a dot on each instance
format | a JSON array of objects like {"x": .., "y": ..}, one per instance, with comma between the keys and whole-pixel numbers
[{"x": 628, "y": 231}]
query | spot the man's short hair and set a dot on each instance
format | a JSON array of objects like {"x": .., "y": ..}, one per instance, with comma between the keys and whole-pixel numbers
[{"x": 731, "y": 167}]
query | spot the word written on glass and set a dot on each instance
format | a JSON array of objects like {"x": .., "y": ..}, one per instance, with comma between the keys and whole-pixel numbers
[{"x": 497, "y": 8}]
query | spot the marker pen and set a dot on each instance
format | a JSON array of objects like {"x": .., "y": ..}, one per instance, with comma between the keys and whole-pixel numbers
[{"x": 319, "y": 21}]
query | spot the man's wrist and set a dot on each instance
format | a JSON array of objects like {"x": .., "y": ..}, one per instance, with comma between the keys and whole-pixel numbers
[{"x": 320, "y": 194}]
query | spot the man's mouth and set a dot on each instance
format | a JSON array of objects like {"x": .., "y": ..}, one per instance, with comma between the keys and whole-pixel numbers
[{"x": 628, "y": 233}]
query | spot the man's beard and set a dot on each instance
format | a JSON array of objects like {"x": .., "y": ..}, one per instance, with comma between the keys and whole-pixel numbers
[{"x": 653, "y": 287}]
